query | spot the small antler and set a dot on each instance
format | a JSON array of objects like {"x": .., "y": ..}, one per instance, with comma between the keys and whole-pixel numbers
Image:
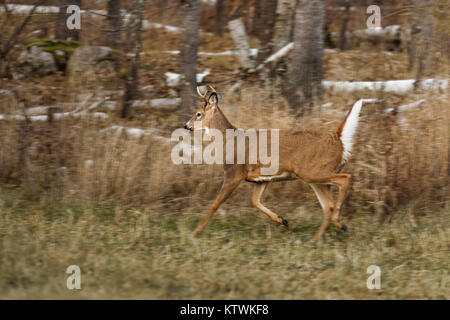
[
  {"x": 212, "y": 89},
  {"x": 203, "y": 96}
]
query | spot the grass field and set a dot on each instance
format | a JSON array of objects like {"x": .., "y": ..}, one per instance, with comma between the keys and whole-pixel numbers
[
  {"x": 240, "y": 255},
  {"x": 79, "y": 191}
]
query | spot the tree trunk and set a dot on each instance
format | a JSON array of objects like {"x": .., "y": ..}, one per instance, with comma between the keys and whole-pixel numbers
[
  {"x": 282, "y": 36},
  {"x": 283, "y": 24},
  {"x": 188, "y": 53},
  {"x": 306, "y": 70},
  {"x": 132, "y": 80},
  {"x": 411, "y": 46},
  {"x": 62, "y": 32},
  {"x": 344, "y": 24},
  {"x": 237, "y": 30},
  {"x": 114, "y": 24},
  {"x": 265, "y": 21},
  {"x": 220, "y": 17},
  {"x": 423, "y": 13}
]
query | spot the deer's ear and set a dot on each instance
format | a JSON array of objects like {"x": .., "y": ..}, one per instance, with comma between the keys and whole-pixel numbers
[{"x": 213, "y": 99}]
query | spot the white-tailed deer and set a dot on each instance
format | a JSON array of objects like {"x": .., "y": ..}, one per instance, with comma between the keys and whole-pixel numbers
[{"x": 314, "y": 157}]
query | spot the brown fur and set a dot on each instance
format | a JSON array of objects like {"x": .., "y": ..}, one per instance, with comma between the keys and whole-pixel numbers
[{"x": 312, "y": 156}]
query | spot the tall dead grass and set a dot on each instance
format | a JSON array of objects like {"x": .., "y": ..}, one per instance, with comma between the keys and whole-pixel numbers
[{"x": 398, "y": 159}]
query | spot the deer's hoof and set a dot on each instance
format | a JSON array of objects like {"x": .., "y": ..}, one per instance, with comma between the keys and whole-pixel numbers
[
  {"x": 284, "y": 221},
  {"x": 344, "y": 228}
]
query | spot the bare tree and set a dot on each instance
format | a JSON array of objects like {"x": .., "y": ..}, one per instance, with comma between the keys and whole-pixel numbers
[
  {"x": 307, "y": 70},
  {"x": 188, "y": 52},
  {"x": 344, "y": 24},
  {"x": 421, "y": 36},
  {"x": 132, "y": 79},
  {"x": 62, "y": 32},
  {"x": 7, "y": 44},
  {"x": 220, "y": 17},
  {"x": 283, "y": 23},
  {"x": 114, "y": 24},
  {"x": 265, "y": 22},
  {"x": 282, "y": 36},
  {"x": 240, "y": 39}
]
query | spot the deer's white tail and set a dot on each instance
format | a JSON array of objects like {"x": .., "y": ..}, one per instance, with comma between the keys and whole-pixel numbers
[{"x": 347, "y": 129}]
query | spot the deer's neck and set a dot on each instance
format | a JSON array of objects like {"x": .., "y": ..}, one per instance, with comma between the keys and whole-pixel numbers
[{"x": 220, "y": 122}]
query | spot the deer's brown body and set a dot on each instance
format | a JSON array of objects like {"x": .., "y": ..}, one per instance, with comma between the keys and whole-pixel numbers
[{"x": 314, "y": 157}]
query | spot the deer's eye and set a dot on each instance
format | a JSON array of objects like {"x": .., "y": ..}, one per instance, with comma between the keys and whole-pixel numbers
[{"x": 199, "y": 115}]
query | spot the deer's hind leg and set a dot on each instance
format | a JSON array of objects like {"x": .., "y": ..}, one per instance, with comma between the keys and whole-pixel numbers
[
  {"x": 342, "y": 181},
  {"x": 323, "y": 194},
  {"x": 256, "y": 202}
]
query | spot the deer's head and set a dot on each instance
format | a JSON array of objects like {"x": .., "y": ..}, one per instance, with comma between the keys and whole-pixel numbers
[{"x": 206, "y": 112}]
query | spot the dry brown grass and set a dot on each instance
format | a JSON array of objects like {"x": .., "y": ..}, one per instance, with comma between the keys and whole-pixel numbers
[
  {"x": 149, "y": 254},
  {"x": 391, "y": 165}
]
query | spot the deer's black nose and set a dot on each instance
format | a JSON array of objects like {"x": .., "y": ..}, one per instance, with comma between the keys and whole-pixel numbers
[{"x": 185, "y": 126}]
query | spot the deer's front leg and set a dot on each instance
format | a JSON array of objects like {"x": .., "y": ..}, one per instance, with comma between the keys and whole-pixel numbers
[
  {"x": 256, "y": 196},
  {"x": 225, "y": 191}
]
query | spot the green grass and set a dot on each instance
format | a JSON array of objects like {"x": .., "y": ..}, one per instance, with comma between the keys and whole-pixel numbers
[{"x": 240, "y": 255}]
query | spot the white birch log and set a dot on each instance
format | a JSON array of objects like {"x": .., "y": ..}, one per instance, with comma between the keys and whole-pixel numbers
[
  {"x": 277, "y": 55},
  {"x": 56, "y": 116},
  {"x": 173, "y": 79},
  {"x": 400, "y": 87}
]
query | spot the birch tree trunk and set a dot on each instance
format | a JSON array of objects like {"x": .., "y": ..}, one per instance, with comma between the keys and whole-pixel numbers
[
  {"x": 188, "y": 53},
  {"x": 283, "y": 24},
  {"x": 237, "y": 30},
  {"x": 282, "y": 36},
  {"x": 306, "y": 71}
]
